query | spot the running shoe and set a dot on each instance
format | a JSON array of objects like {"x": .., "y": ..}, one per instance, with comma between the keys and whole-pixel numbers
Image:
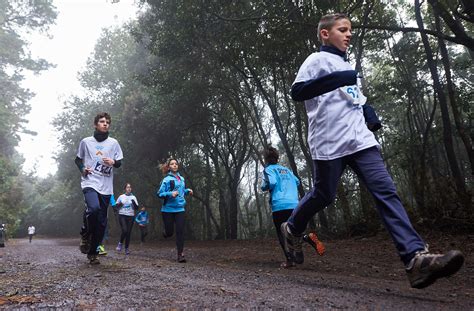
[
  {"x": 292, "y": 244},
  {"x": 93, "y": 259},
  {"x": 181, "y": 258},
  {"x": 312, "y": 239},
  {"x": 425, "y": 268},
  {"x": 127, "y": 252},
  {"x": 119, "y": 247},
  {"x": 101, "y": 250}
]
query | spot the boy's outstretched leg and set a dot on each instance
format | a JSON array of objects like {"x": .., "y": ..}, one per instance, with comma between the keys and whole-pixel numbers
[{"x": 423, "y": 268}]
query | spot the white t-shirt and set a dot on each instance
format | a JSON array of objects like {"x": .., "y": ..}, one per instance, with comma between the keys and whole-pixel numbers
[
  {"x": 92, "y": 152},
  {"x": 31, "y": 230},
  {"x": 336, "y": 123},
  {"x": 127, "y": 207}
]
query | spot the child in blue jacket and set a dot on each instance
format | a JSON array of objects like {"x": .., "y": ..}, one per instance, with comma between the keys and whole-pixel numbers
[
  {"x": 283, "y": 187},
  {"x": 173, "y": 191},
  {"x": 142, "y": 220}
]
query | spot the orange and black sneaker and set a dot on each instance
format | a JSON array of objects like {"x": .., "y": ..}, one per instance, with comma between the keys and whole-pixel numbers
[{"x": 312, "y": 239}]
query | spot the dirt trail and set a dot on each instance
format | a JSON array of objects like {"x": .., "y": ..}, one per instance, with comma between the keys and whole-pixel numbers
[{"x": 354, "y": 274}]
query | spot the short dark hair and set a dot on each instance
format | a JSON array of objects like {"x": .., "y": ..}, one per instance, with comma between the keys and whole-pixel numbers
[
  {"x": 270, "y": 155},
  {"x": 327, "y": 21},
  {"x": 102, "y": 115}
]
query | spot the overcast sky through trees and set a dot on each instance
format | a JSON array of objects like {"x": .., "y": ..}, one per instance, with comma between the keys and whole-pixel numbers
[{"x": 77, "y": 29}]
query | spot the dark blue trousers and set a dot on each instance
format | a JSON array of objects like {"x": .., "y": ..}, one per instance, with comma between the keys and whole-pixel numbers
[
  {"x": 369, "y": 167},
  {"x": 95, "y": 217}
]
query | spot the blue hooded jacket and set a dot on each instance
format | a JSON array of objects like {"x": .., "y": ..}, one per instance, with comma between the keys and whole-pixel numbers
[
  {"x": 142, "y": 218},
  {"x": 283, "y": 187},
  {"x": 170, "y": 204}
]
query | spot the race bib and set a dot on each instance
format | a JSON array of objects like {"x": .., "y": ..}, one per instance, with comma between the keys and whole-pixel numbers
[
  {"x": 102, "y": 169},
  {"x": 354, "y": 94}
]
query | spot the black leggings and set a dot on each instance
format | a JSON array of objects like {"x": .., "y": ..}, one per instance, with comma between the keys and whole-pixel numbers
[
  {"x": 143, "y": 233},
  {"x": 169, "y": 219},
  {"x": 280, "y": 217},
  {"x": 126, "y": 224}
]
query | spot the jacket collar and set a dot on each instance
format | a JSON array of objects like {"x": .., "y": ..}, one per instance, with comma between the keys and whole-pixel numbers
[{"x": 333, "y": 50}]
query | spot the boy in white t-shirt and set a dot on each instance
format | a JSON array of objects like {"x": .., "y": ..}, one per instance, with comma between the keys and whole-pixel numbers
[
  {"x": 338, "y": 137},
  {"x": 97, "y": 156}
]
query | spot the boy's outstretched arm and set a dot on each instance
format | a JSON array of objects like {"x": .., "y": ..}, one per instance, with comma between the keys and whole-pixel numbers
[{"x": 301, "y": 91}]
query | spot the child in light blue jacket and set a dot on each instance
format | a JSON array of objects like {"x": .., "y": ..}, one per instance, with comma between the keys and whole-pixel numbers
[
  {"x": 283, "y": 187},
  {"x": 142, "y": 220},
  {"x": 173, "y": 190}
]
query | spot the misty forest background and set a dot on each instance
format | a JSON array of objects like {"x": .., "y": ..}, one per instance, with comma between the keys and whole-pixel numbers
[{"x": 208, "y": 82}]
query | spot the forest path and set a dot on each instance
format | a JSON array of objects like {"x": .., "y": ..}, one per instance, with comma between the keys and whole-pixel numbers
[{"x": 362, "y": 274}]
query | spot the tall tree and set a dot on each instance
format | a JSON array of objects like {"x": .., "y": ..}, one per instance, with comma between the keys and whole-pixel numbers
[
  {"x": 447, "y": 130},
  {"x": 16, "y": 19}
]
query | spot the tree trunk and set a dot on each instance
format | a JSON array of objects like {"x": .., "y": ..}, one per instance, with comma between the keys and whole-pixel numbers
[
  {"x": 300, "y": 111},
  {"x": 257, "y": 201},
  {"x": 278, "y": 125},
  {"x": 222, "y": 229},
  {"x": 452, "y": 98},
  {"x": 455, "y": 26},
  {"x": 447, "y": 134},
  {"x": 233, "y": 209},
  {"x": 344, "y": 205},
  {"x": 224, "y": 217},
  {"x": 207, "y": 199}
]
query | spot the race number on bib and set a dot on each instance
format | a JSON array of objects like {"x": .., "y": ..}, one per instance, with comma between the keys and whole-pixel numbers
[
  {"x": 102, "y": 169},
  {"x": 354, "y": 94}
]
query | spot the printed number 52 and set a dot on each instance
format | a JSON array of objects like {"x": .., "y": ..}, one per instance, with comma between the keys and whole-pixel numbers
[{"x": 353, "y": 92}]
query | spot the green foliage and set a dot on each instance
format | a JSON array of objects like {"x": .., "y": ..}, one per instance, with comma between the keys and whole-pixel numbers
[
  {"x": 16, "y": 19},
  {"x": 53, "y": 212},
  {"x": 208, "y": 82}
]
